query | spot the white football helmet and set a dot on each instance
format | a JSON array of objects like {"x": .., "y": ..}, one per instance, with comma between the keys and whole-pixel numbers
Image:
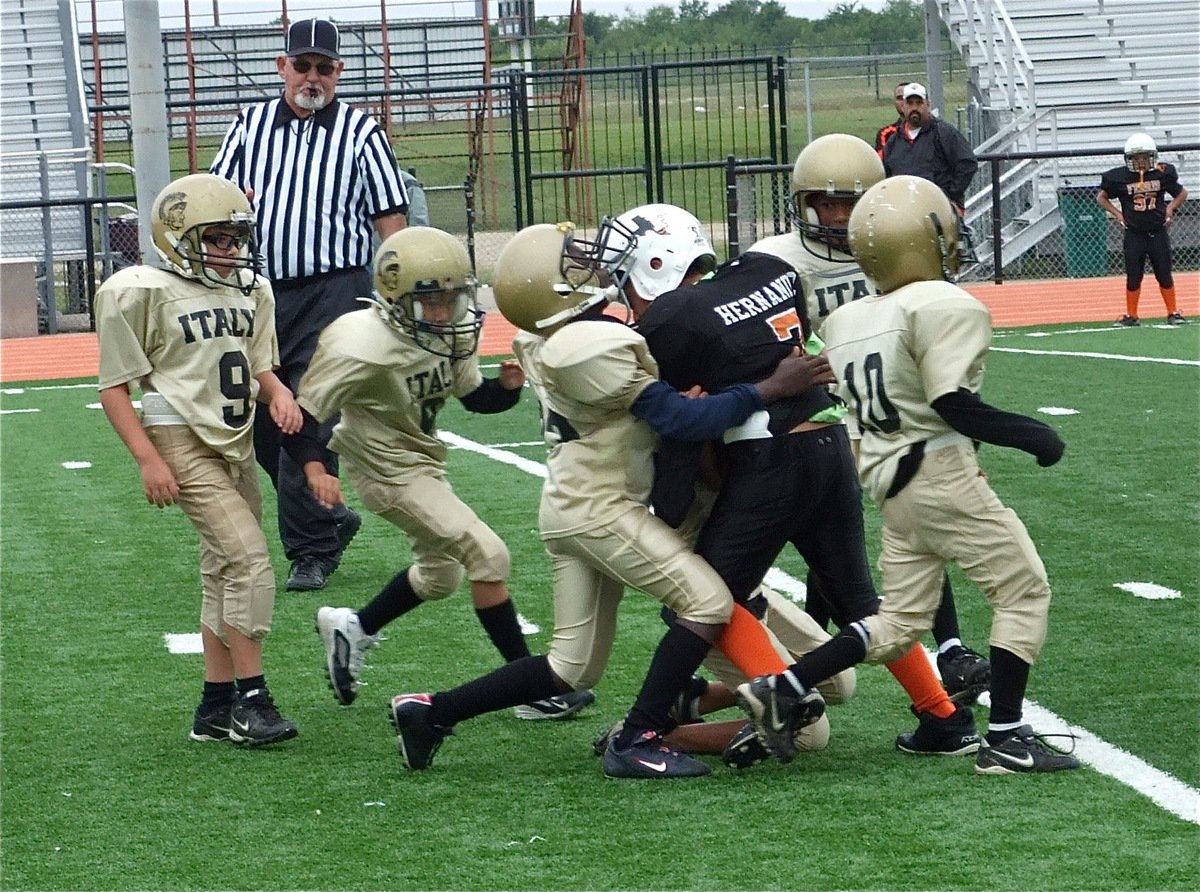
[
  {"x": 181, "y": 214},
  {"x": 905, "y": 230},
  {"x": 836, "y": 164},
  {"x": 1140, "y": 145},
  {"x": 654, "y": 246},
  {"x": 544, "y": 278},
  {"x": 417, "y": 265}
]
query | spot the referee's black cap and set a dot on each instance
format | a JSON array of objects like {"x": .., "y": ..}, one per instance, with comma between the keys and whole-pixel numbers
[{"x": 313, "y": 36}]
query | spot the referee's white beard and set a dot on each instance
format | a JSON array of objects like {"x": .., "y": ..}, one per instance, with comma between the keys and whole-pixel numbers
[{"x": 311, "y": 98}]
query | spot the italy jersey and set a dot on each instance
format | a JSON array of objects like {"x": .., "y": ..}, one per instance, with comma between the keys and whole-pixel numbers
[
  {"x": 389, "y": 391},
  {"x": 826, "y": 283},
  {"x": 586, "y": 376},
  {"x": 200, "y": 347},
  {"x": 894, "y": 355}
]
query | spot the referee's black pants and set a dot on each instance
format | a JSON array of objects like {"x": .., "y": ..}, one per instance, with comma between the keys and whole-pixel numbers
[
  {"x": 303, "y": 307},
  {"x": 801, "y": 488}
]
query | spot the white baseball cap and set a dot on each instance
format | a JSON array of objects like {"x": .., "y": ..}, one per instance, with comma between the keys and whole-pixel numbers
[{"x": 915, "y": 89}]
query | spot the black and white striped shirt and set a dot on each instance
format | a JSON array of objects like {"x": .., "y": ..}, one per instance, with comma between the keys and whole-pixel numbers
[{"x": 318, "y": 184}]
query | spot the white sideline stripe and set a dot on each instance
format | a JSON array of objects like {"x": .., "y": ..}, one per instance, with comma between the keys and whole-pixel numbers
[
  {"x": 183, "y": 642},
  {"x": 1161, "y": 788},
  {"x": 18, "y": 411},
  {"x": 15, "y": 390},
  {"x": 1089, "y": 355},
  {"x": 1151, "y": 591}
]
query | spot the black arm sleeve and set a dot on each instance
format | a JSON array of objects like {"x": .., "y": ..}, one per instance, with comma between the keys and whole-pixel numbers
[
  {"x": 972, "y": 417},
  {"x": 305, "y": 445},
  {"x": 491, "y": 397}
]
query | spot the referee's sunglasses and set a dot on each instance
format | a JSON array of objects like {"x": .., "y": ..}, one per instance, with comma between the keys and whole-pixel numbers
[{"x": 301, "y": 66}]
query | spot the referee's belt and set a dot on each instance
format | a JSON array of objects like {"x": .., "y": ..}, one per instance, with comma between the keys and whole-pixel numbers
[{"x": 301, "y": 281}]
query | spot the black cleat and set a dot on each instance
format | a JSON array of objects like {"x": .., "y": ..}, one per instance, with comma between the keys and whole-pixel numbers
[
  {"x": 1023, "y": 752},
  {"x": 965, "y": 674},
  {"x": 417, "y": 739},
  {"x": 745, "y": 749},
  {"x": 211, "y": 725},
  {"x": 600, "y": 741},
  {"x": 308, "y": 574},
  {"x": 346, "y": 531},
  {"x": 955, "y": 735},
  {"x": 778, "y": 712},
  {"x": 649, "y": 757},
  {"x": 1176, "y": 319},
  {"x": 1127, "y": 321},
  {"x": 686, "y": 710},
  {"x": 254, "y": 720},
  {"x": 556, "y": 708}
]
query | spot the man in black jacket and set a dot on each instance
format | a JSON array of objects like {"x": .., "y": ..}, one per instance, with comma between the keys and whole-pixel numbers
[{"x": 927, "y": 147}]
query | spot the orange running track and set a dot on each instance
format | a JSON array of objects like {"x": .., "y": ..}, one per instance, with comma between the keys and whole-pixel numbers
[{"x": 1013, "y": 304}]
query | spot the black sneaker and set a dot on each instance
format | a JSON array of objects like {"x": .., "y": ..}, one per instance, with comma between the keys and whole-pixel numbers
[
  {"x": 600, "y": 741},
  {"x": 778, "y": 712},
  {"x": 955, "y": 735},
  {"x": 254, "y": 720},
  {"x": 965, "y": 674},
  {"x": 1127, "y": 321},
  {"x": 649, "y": 757},
  {"x": 308, "y": 574},
  {"x": 416, "y": 738},
  {"x": 561, "y": 706},
  {"x": 1023, "y": 752},
  {"x": 745, "y": 749},
  {"x": 211, "y": 725},
  {"x": 346, "y": 531},
  {"x": 686, "y": 710},
  {"x": 1176, "y": 319}
]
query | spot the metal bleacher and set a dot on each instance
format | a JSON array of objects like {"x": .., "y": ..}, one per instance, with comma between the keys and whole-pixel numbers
[
  {"x": 1071, "y": 76},
  {"x": 44, "y": 149}
]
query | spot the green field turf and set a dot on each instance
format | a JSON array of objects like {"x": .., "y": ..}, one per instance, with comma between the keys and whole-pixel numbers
[{"x": 102, "y": 789}]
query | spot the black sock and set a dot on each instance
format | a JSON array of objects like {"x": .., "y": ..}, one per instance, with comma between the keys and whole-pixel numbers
[
  {"x": 394, "y": 599},
  {"x": 246, "y": 685},
  {"x": 1010, "y": 675},
  {"x": 844, "y": 650},
  {"x": 500, "y": 622},
  {"x": 675, "y": 661},
  {"x": 216, "y": 694},
  {"x": 521, "y": 681},
  {"x": 945, "y": 621}
]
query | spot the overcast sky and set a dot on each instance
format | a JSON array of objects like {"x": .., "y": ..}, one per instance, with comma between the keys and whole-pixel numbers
[{"x": 235, "y": 12}]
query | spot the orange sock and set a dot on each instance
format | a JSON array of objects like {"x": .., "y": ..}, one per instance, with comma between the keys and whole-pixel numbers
[
  {"x": 916, "y": 676},
  {"x": 1131, "y": 302},
  {"x": 1168, "y": 296},
  {"x": 746, "y": 644}
]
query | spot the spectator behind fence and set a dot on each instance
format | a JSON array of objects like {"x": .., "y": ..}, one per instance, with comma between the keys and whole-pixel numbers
[
  {"x": 418, "y": 206},
  {"x": 319, "y": 174},
  {"x": 1142, "y": 187},
  {"x": 927, "y": 147},
  {"x": 884, "y": 133}
]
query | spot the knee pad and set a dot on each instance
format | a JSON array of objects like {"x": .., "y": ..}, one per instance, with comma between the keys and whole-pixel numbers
[{"x": 433, "y": 583}]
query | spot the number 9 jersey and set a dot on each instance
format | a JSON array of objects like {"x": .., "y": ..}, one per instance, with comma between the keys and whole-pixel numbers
[{"x": 198, "y": 346}]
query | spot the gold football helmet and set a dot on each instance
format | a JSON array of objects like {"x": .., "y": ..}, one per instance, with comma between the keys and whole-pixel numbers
[
  {"x": 839, "y": 165},
  {"x": 182, "y": 213},
  {"x": 425, "y": 288},
  {"x": 904, "y": 230},
  {"x": 544, "y": 278}
]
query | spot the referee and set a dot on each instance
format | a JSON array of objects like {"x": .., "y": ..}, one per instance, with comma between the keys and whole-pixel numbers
[{"x": 319, "y": 175}]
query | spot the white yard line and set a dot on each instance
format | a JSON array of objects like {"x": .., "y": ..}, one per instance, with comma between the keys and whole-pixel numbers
[
  {"x": 1088, "y": 355},
  {"x": 1163, "y": 789}
]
